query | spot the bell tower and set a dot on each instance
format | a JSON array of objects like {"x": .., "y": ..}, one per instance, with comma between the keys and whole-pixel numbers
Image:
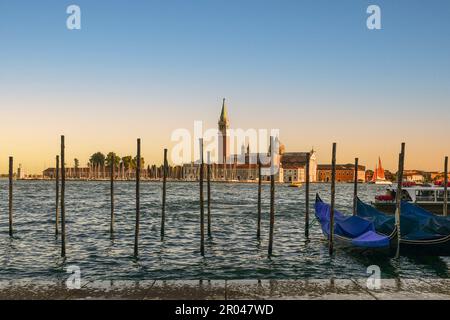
[{"x": 223, "y": 134}]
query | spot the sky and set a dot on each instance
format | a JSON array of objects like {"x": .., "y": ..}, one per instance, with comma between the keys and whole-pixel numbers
[{"x": 143, "y": 69}]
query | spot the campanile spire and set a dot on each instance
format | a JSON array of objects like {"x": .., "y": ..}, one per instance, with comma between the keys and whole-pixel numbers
[
  {"x": 223, "y": 133},
  {"x": 223, "y": 120}
]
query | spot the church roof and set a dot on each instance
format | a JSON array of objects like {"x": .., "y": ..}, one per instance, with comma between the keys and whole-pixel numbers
[{"x": 294, "y": 159}]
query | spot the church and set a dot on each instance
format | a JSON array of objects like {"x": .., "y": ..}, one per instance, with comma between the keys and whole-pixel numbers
[{"x": 243, "y": 167}]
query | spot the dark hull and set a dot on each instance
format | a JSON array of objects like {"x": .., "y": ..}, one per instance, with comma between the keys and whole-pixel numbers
[
  {"x": 346, "y": 245},
  {"x": 440, "y": 247},
  {"x": 389, "y": 207},
  {"x": 437, "y": 247}
]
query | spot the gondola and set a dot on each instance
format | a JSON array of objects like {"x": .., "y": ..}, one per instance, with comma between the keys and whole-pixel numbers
[
  {"x": 353, "y": 233},
  {"x": 421, "y": 232}
]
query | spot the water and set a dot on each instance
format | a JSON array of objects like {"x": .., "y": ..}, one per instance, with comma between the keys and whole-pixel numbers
[{"x": 232, "y": 253}]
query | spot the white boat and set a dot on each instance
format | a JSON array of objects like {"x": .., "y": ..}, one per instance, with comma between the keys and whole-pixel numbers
[
  {"x": 428, "y": 197},
  {"x": 378, "y": 175},
  {"x": 385, "y": 182}
]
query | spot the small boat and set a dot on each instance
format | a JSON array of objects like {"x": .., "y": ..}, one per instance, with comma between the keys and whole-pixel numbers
[
  {"x": 428, "y": 197},
  {"x": 352, "y": 232},
  {"x": 295, "y": 184},
  {"x": 378, "y": 175},
  {"x": 422, "y": 233}
]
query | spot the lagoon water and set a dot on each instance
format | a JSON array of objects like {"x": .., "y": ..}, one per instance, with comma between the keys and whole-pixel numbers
[{"x": 233, "y": 252}]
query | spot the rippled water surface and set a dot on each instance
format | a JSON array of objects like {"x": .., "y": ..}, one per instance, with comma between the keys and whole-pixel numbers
[{"x": 233, "y": 252}]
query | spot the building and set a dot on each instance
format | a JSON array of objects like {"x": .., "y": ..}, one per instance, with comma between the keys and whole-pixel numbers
[
  {"x": 413, "y": 176},
  {"x": 120, "y": 173},
  {"x": 369, "y": 175},
  {"x": 20, "y": 172},
  {"x": 344, "y": 173},
  {"x": 293, "y": 165},
  {"x": 234, "y": 170},
  {"x": 75, "y": 173},
  {"x": 243, "y": 167},
  {"x": 438, "y": 176},
  {"x": 389, "y": 175},
  {"x": 223, "y": 137}
]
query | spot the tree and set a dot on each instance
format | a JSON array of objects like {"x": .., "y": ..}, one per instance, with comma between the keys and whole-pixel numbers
[
  {"x": 112, "y": 158},
  {"x": 133, "y": 162},
  {"x": 127, "y": 162},
  {"x": 97, "y": 158}
]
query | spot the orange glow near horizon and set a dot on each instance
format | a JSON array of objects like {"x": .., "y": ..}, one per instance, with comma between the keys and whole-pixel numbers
[{"x": 33, "y": 138}]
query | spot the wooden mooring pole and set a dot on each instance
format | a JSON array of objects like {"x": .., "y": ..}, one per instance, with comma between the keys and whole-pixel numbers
[
  {"x": 57, "y": 197},
  {"x": 355, "y": 187},
  {"x": 63, "y": 193},
  {"x": 401, "y": 161},
  {"x": 138, "y": 205},
  {"x": 258, "y": 229},
  {"x": 10, "y": 202},
  {"x": 111, "y": 191},
  {"x": 163, "y": 211},
  {"x": 333, "y": 195},
  {"x": 208, "y": 187},
  {"x": 272, "y": 197},
  {"x": 202, "y": 213},
  {"x": 446, "y": 186},
  {"x": 308, "y": 159}
]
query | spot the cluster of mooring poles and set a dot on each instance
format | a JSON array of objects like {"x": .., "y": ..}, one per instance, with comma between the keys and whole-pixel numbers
[{"x": 60, "y": 177}]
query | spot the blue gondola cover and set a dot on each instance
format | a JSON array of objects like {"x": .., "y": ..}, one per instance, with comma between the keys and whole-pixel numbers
[
  {"x": 415, "y": 222},
  {"x": 359, "y": 231}
]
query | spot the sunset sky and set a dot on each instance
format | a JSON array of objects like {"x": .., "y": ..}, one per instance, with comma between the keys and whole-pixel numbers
[{"x": 145, "y": 68}]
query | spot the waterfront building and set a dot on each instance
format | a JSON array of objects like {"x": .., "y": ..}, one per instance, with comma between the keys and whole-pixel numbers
[
  {"x": 293, "y": 165},
  {"x": 369, "y": 175},
  {"x": 438, "y": 176},
  {"x": 71, "y": 173},
  {"x": 20, "y": 172},
  {"x": 413, "y": 176},
  {"x": 243, "y": 166},
  {"x": 344, "y": 172}
]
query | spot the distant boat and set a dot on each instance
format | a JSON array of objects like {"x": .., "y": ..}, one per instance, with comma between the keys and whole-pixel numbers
[
  {"x": 378, "y": 175},
  {"x": 295, "y": 184}
]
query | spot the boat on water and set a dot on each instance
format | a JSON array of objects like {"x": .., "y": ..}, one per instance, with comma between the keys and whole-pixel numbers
[
  {"x": 295, "y": 184},
  {"x": 378, "y": 175},
  {"x": 428, "y": 197},
  {"x": 352, "y": 232},
  {"x": 421, "y": 232}
]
